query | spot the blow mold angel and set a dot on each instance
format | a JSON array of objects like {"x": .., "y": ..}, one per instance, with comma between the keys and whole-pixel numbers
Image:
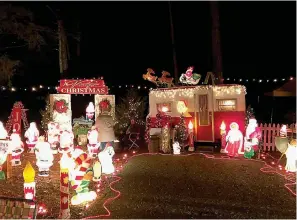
[
  {"x": 189, "y": 77},
  {"x": 66, "y": 141},
  {"x": 93, "y": 145},
  {"x": 44, "y": 156},
  {"x": 16, "y": 147},
  {"x": 53, "y": 134},
  {"x": 32, "y": 135}
]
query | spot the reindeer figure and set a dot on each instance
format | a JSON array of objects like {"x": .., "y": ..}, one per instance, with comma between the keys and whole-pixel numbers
[
  {"x": 166, "y": 80},
  {"x": 149, "y": 76}
]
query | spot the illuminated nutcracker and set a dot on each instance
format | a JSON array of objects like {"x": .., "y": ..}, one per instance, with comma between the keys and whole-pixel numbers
[
  {"x": 29, "y": 182},
  {"x": 32, "y": 135},
  {"x": 191, "y": 137},
  {"x": 64, "y": 186}
]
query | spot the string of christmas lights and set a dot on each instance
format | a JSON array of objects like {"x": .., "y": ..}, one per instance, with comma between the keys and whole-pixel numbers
[
  {"x": 226, "y": 80},
  {"x": 289, "y": 177}
]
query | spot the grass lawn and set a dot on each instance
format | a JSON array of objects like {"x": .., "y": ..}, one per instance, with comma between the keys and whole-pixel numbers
[{"x": 196, "y": 187}]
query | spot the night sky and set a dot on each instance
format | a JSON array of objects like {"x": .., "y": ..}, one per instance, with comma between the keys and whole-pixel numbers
[{"x": 120, "y": 40}]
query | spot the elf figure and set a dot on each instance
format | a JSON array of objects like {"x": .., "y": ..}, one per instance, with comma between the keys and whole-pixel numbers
[
  {"x": 44, "y": 156},
  {"x": 93, "y": 145},
  {"x": 32, "y": 135},
  {"x": 105, "y": 158},
  {"x": 17, "y": 148},
  {"x": 291, "y": 155},
  {"x": 53, "y": 134},
  {"x": 3, "y": 132},
  {"x": 66, "y": 141},
  {"x": 248, "y": 152}
]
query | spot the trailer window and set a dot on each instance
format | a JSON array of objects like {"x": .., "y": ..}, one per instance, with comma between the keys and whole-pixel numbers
[
  {"x": 203, "y": 110},
  {"x": 161, "y": 105},
  {"x": 226, "y": 104}
]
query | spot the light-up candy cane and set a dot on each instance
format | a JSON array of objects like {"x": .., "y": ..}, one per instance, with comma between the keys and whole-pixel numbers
[
  {"x": 223, "y": 137},
  {"x": 29, "y": 182},
  {"x": 81, "y": 180},
  {"x": 65, "y": 163}
]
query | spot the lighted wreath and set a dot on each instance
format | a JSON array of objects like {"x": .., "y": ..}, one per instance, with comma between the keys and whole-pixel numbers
[
  {"x": 61, "y": 106},
  {"x": 105, "y": 105}
]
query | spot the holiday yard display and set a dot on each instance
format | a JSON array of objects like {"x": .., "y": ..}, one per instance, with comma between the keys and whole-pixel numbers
[
  {"x": 176, "y": 148},
  {"x": 234, "y": 140},
  {"x": 18, "y": 114},
  {"x": 291, "y": 154},
  {"x": 32, "y": 135},
  {"x": 104, "y": 104},
  {"x": 97, "y": 171},
  {"x": 90, "y": 111},
  {"x": 223, "y": 137},
  {"x": 62, "y": 113},
  {"x": 16, "y": 148},
  {"x": 191, "y": 137},
  {"x": 53, "y": 136},
  {"x": 4, "y": 150},
  {"x": 3, "y": 132},
  {"x": 93, "y": 145},
  {"x": 105, "y": 126},
  {"x": 66, "y": 141},
  {"x": 249, "y": 114},
  {"x": 207, "y": 106},
  {"x": 164, "y": 80},
  {"x": 181, "y": 132},
  {"x": 105, "y": 158},
  {"x": 44, "y": 156},
  {"x": 29, "y": 182},
  {"x": 189, "y": 77},
  {"x": 253, "y": 136}
]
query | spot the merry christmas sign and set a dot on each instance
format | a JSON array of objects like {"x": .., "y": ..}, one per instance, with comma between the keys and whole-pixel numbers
[{"x": 87, "y": 86}]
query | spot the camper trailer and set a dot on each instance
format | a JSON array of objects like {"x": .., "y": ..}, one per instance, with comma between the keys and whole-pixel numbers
[{"x": 205, "y": 106}]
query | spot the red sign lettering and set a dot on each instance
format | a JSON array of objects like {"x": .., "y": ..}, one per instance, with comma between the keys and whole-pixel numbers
[
  {"x": 88, "y": 86},
  {"x": 17, "y": 119}
]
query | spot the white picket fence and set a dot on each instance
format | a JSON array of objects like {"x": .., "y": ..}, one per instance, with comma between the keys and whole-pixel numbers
[{"x": 269, "y": 131}]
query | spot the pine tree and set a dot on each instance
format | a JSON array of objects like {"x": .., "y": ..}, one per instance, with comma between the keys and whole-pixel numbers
[
  {"x": 182, "y": 131},
  {"x": 46, "y": 114},
  {"x": 132, "y": 106},
  {"x": 249, "y": 114}
]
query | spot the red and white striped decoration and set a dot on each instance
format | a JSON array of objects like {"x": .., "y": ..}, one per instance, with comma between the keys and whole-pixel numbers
[{"x": 83, "y": 162}]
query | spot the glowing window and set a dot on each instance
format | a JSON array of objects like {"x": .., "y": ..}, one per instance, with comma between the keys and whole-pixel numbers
[
  {"x": 162, "y": 106},
  {"x": 226, "y": 104}
]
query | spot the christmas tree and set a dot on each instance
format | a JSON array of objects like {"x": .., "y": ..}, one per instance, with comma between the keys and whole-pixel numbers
[
  {"x": 181, "y": 131},
  {"x": 46, "y": 114},
  {"x": 249, "y": 114},
  {"x": 132, "y": 106}
]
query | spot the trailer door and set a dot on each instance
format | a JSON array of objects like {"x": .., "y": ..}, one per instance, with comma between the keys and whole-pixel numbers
[{"x": 204, "y": 119}]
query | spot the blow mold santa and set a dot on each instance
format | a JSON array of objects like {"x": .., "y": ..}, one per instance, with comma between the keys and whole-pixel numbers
[
  {"x": 66, "y": 141},
  {"x": 53, "y": 135},
  {"x": 234, "y": 140},
  {"x": 3, "y": 132},
  {"x": 17, "y": 148},
  {"x": 32, "y": 135},
  {"x": 44, "y": 156},
  {"x": 93, "y": 145},
  {"x": 253, "y": 135}
]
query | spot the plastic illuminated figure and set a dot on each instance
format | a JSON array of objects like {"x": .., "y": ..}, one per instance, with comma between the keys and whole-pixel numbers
[
  {"x": 105, "y": 158},
  {"x": 90, "y": 111},
  {"x": 17, "y": 148},
  {"x": 66, "y": 141},
  {"x": 44, "y": 156},
  {"x": 176, "y": 148},
  {"x": 3, "y": 132},
  {"x": 253, "y": 135},
  {"x": 189, "y": 77},
  {"x": 29, "y": 182},
  {"x": 53, "y": 134},
  {"x": 291, "y": 155},
  {"x": 32, "y": 135},
  {"x": 3, "y": 157},
  {"x": 93, "y": 145},
  {"x": 234, "y": 140}
]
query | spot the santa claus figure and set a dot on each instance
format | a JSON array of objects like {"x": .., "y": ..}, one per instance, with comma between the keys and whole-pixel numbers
[
  {"x": 32, "y": 135},
  {"x": 253, "y": 135},
  {"x": 44, "y": 156},
  {"x": 53, "y": 134},
  {"x": 3, "y": 132},
  {"x": 93, "y": 145},
  {"x": 66, "y": 141},
  {"x": 105, "y": 158},
  {"x": 234, "y": 140},
  {"x": 90, "y": 111},
  {"x": 17, "y": 148}
]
